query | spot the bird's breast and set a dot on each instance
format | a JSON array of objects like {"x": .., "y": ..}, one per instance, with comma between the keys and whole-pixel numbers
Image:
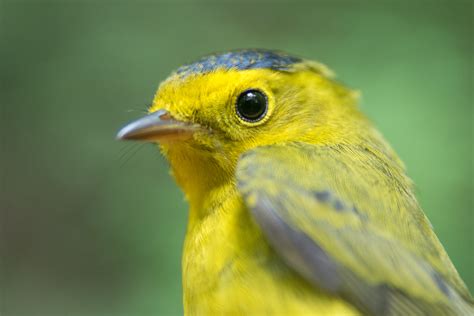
[{"x": 229, "y": 268}]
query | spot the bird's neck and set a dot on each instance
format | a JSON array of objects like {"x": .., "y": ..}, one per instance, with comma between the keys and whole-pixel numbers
[{"x": 204, "y": 181}]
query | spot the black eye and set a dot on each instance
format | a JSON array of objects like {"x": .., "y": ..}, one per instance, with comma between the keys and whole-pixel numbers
[{"x": 252, "y": 105}]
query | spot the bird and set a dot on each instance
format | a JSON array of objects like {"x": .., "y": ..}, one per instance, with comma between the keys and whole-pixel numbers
[{"x": 297, "y": 203}]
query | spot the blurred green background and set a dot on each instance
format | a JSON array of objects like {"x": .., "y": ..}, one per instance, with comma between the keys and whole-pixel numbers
[{"x": 91, "y": 226}]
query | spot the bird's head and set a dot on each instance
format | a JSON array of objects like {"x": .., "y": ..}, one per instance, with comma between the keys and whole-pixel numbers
[{"x": 207, "y": 113}]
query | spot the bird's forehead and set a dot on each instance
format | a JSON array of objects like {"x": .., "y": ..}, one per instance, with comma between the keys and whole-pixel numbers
[
  {"x": 204, "y": 89},
  {"x": 240, "y": 60}
]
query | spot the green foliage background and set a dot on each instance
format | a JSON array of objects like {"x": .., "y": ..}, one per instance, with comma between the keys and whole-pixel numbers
[{"x": 91, "y": 226}]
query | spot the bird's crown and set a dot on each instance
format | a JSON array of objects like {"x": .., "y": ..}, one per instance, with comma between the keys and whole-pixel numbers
[{"x": 240, "y": 60}]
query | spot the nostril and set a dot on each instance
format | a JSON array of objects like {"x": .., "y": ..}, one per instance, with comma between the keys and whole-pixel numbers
[{"x": 163, "y": 115}]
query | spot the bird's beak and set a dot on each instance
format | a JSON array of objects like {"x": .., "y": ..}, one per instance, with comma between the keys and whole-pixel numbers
[{"x": 158, "y": 126}]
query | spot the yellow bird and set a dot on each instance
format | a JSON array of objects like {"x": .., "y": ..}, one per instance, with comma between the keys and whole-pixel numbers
[{"x": 298, "y": 206}]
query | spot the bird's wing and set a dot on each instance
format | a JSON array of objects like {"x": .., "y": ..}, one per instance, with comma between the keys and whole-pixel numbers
[{"x": 346, "y": 220}]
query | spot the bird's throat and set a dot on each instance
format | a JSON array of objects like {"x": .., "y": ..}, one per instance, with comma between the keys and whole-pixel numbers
[{"x": 201, "y": 177}]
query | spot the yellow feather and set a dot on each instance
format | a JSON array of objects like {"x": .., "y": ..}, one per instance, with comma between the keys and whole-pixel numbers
[{"x": 232, "y": 264}]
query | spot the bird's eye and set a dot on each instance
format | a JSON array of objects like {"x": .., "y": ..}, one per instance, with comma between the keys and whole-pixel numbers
[{"x": 252, "y": 105}]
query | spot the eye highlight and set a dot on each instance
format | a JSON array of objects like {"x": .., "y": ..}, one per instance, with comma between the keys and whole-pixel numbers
[{"x": 252, "y": 105}]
